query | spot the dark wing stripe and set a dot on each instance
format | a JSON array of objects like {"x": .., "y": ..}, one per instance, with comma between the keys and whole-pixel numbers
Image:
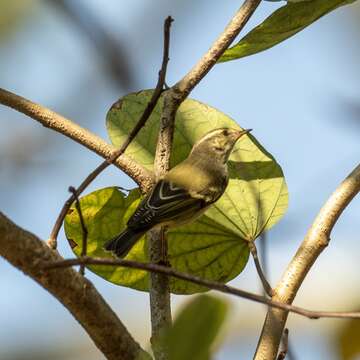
[
  {"x": 165, "y": 202},
  {"x": 165, "y": 192},
  {"x": 181, "y": 210}
]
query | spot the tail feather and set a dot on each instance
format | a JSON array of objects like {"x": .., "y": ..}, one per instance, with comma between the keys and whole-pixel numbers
[{"x": 122, "y": 243}]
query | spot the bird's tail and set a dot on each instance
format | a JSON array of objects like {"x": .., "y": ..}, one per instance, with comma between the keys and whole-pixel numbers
[{"x": 122, "y": 243}]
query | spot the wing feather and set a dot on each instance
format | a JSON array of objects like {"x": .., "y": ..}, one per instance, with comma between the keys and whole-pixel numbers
[{"x": 166, "y": 202}]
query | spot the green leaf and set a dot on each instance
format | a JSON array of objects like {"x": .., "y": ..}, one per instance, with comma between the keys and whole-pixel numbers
[
  {"x": 215, "y": 246},
  {"x": 195, "y": 329},
  {"x": 203, "y": 248},
  {"x": 256, "y": 196},
  {"x": 282, "y": 24},
  {"x": 105, "y": 213}
]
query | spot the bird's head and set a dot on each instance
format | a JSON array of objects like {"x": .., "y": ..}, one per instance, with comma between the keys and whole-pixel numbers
[{"x": 217, "y": 143}]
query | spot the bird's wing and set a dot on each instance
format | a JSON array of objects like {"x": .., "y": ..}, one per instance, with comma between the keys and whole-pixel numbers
[{"x": 166, "y": 202}]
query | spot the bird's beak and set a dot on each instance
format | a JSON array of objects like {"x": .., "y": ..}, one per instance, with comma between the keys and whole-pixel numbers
[{"x": 240, "y": 133}]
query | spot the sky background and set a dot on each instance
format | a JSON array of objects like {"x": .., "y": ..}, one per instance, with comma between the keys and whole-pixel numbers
[{"x": 301, "y": 98}]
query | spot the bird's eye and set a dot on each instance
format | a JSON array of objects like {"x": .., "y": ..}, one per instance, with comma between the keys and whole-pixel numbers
[{"x": 226, "y": 132}]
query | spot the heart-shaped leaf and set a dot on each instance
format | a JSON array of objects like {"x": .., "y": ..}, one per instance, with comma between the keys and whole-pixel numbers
[
  {"x": 215, "y": 246},
  {"x": 203, "y": 248},
  {"x": 282, "y": 24},
  {"x": 256, "y": 196},
  {"x": 105, "y": 213}
]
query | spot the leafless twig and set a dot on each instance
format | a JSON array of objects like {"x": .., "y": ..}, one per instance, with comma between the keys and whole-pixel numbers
[
  {"x": 83, "y": 228},
  {"x": 160, "y": 307},
  {"x": 203, "y": 282},
  {"x": 52, "y": 242}
]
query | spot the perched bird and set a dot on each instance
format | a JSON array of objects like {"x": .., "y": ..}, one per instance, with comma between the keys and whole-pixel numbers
[{"x": 185, "y": 192}]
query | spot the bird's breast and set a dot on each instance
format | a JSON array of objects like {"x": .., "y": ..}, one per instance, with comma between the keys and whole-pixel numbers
[{"x": 206, "y": 181}]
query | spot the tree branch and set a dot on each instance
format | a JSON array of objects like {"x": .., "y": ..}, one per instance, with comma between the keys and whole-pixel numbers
[
  {"x": 314, "y": 243},
  {"x": 56, "y": 122},
  {"x": 178, "y": 93},
  {"x": 160, "y": 306},
  {"x": 28, "y": 253},
  {"x": 159, "y": 290},
  {"x": 213, "y": 285}
]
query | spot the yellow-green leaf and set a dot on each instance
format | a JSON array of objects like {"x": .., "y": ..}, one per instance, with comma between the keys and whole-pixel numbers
[
  {"x": 256, "y": 196},
  {"x": 203, "y": 248},
  {"x": 215, "y": 246},
  {"x": 282, "y": 24},
  {"x": 105, "y": 213}
]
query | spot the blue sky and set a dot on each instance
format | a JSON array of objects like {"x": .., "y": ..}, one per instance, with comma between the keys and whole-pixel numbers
[{"x": 293, "y": 96}]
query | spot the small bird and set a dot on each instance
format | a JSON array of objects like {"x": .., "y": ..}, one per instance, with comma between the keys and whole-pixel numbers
[{"x": 185, "y": 192}]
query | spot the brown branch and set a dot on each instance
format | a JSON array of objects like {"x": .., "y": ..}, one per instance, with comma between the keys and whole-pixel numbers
[
  {"x": 87, "y": 181},
  {"x": 160, "y": 306},
  {"x": 159, "y": 290},
  {"x": 267, "y": 288},
  {"x": 56, "y": 122},
  {"x": 28, "y": 253},
  {"x": 213, "y": 285},
  {"x": 83, "y": 228},
  {"x": 314, "y": 243}
]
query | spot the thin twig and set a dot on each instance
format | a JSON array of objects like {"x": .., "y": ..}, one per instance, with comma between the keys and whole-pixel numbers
[
  {"x": 178, "y": 93},
  {"x": 214, "y": 285},
  {"x": 316, "y": 240},
  {"x": 267, "y": 288},
  {"x": 83, "y": 228},
  {"x": 285, "y": 342},
  {"x": 52, "y": 242}
]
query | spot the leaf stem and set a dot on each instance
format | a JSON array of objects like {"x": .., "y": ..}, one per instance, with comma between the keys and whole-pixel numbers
[{"x": 267, "y": 288}]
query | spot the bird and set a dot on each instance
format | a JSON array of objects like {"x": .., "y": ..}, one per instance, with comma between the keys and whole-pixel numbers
[{"x": 185, "y": 192}]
